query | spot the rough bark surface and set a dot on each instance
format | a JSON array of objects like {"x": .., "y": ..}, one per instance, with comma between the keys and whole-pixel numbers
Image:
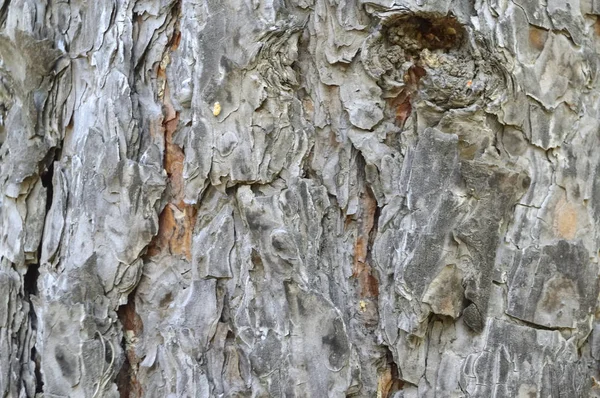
[{"x": 300, "y": 198}]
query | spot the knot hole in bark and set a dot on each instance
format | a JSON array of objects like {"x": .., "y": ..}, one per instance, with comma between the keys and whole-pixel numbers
[
  {"x": 426, "y": 31},
  {"x": 426, "y": 57}
]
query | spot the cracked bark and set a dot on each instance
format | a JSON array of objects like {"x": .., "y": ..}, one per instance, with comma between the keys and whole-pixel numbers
[{"x": 303, "y": 198}]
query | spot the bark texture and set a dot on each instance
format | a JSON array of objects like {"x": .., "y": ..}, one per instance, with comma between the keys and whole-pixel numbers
[{"x": 299, "y": 198}]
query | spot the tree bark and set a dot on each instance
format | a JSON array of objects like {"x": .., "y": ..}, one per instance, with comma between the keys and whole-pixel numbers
[{"x": 301, "y": 198}]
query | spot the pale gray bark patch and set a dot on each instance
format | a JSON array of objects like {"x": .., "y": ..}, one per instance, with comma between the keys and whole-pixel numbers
[{"x": 303, "y": 198}]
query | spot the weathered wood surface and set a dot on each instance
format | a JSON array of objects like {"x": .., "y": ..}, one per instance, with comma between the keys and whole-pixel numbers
[{"x": 306, "y": 198}]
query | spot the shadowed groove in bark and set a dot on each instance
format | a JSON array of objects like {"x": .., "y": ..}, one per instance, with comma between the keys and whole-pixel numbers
[
  {"x": 4, "y": 13},
  {"x": 30, "y": 279},
  {"x": 30, "y": 287},
  {"x": 127, "y": 383}
]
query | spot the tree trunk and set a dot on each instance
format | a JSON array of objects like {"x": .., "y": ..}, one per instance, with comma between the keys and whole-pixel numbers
[{"x": 301, "y": 198}]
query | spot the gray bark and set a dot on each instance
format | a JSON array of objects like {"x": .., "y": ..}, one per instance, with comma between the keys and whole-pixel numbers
[{"x": 301, "y": 198}]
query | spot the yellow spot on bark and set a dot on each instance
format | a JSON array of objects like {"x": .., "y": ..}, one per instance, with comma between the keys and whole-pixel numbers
[
  {"x": 217, "y": 109},
  {"x": 363, "y": 305}
]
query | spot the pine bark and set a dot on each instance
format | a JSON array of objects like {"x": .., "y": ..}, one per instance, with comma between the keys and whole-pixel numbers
[{"x": 300, "y": 198}]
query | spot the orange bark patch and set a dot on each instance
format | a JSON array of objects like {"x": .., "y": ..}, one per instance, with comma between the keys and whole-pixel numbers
[
  {"x": 173, "y": 161},
  {"x": 401, "y": 103},
  {"x": 388, "y": 383},
  {"x": 175, "y": 40},
  {"x": 415, "y": 74},
  {"x": 360, "y": 252},
  {"x": 177, "y": 220},
  {"x": 401, "y": 108},
  {"x": 565, "y": 220},
  {"x": 362, "y": 270},
  {"x": 369, "y": 284},
  {"x": 127, "y": 382},
  {"x": 129, "y": 317},
  {"x": 384, "y": 383},
  {"x": 174, "y": 231},
  {"x": 537, "y": 37},
  {"x": 403, "y": 111}
]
